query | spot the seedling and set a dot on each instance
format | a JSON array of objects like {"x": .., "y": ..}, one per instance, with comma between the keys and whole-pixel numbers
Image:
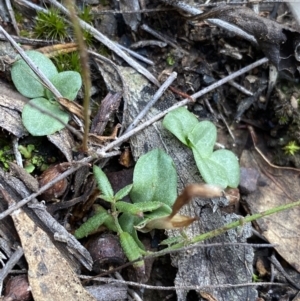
[
  {"x": 155, "y": 204},
  {"x": 32, "y": 159},
  {"x": 27, "y": 83},
  {"x": 216, "y": 167},
  {"x": 6, "y": 156}
]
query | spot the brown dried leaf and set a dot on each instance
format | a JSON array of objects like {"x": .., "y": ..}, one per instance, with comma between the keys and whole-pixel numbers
[
  {"x": 71, "y": 106},
  {"x": 276, "y": 187},
  {"x": 49, "y": 274}
]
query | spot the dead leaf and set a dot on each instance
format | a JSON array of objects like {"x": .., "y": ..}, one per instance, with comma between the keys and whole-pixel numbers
[
  {"x": 71, "y": 106},
  {"x": 49, "y": 274},
  {"x": 276, "y": 187}
]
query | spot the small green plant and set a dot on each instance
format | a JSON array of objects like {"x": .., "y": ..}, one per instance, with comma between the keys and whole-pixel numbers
[
  {"x": 86, "y": 15},
  {"x": 51, "y": 25},
  {"x": 219, "y": 167},
  {"x": 27, "y": 83},
  {"x": 153, "y": 206},
  {"x": 32, "y": 159},
  {"x": 256, "y": 278},
  {"x": 170, "y": 60},
  {"x": 291, "y": 148},
  {"x": 6, "y": 156}
]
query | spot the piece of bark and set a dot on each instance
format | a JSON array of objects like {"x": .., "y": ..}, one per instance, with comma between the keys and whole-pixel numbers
[
  {"x": 49, "y": 274},
  {"x": 11, "y": 106},
  {"x": 71, "y": 247},
  {"x": 108, "y": 106},
  {"x": 138, "y": 93}
]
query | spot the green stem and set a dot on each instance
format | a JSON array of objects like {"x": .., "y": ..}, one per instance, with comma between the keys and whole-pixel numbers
[
  {"x": 219, "y": 231},
  {"x": 115, "y": 214}
]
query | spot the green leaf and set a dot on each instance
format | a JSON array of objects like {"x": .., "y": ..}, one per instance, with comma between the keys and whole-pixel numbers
[
  {"x": 128, "y": 208},
  {"x": 229, "y": 162},
  {"x": 123, "y": 192},
  {"x": 203, "y": 137},
  {"x": 172, "y": 240},
  {"x": 40, "y": 124},
  {"x": 131, "y": 249},
  {"x": 91, "y": 225},
  {"x": 211, "y": 171},
  {"x": 103, "y": 183},
  {"x": 180, "y": 122},
  {"x": 138, "y": 208},
  {"x": 106, "y": 198},
  {"x": 149, "y": 206},
  {"x": 25, "y": 80},
  {"x": 127, "y": 222},
  {"x": 163, "y": 211},
  {"x": 67, "y": 83},
  {"x": 154, "y": 179},
  {"x": 109, "y": 222}
]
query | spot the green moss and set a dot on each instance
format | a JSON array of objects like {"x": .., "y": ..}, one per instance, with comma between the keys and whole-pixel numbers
[
  {"x": 86, "y": 15},
  {"x": 67, "y": 61},
  {"x": 18, "y": 16},
  {"x": 51, "y": 25},
  {"x": 291, "y": 148},
  {"x": 88, "y": 37}
]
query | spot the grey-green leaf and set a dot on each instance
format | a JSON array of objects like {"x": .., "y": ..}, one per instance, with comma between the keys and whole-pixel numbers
[
  {"x": 230, "y": 163},
  {"x": 127, "y": 222},
  {"x": 211, "y": 171},
  {"x": 25, "y": 80},
  {"x": 67, "y": 83},
  {"x": 203, "y": 137},
  {"x": 154, "y": 179},
  {"x": 180, "y": 123},
  {"x": 123, "y": 192},
  {"x": 40, "y": 124},
  {"x": 138, "y": 208},
  {"x": 103, "y": 182},
  {"x": 91, "y": 225}
]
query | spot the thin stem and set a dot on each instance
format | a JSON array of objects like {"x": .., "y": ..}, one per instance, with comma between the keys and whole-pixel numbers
[
  {"x": 235, "y": 224},
  {"x": 85, "y": 70}
]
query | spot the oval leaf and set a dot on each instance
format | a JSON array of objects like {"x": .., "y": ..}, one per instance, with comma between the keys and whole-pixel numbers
[
  {"x": 40, "y": 124},
  {"x": 180, "y": 123},
  {"x": 203, "y": 138},
  {"x": 67, "y": 83},
  {"x": 229, "y": 161},
  {"x": 154, "y": 179},
  {"x": 211, "y": 171},
  {"x": 103, "y": 183},
  {"x": 25, "y": 80}
]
